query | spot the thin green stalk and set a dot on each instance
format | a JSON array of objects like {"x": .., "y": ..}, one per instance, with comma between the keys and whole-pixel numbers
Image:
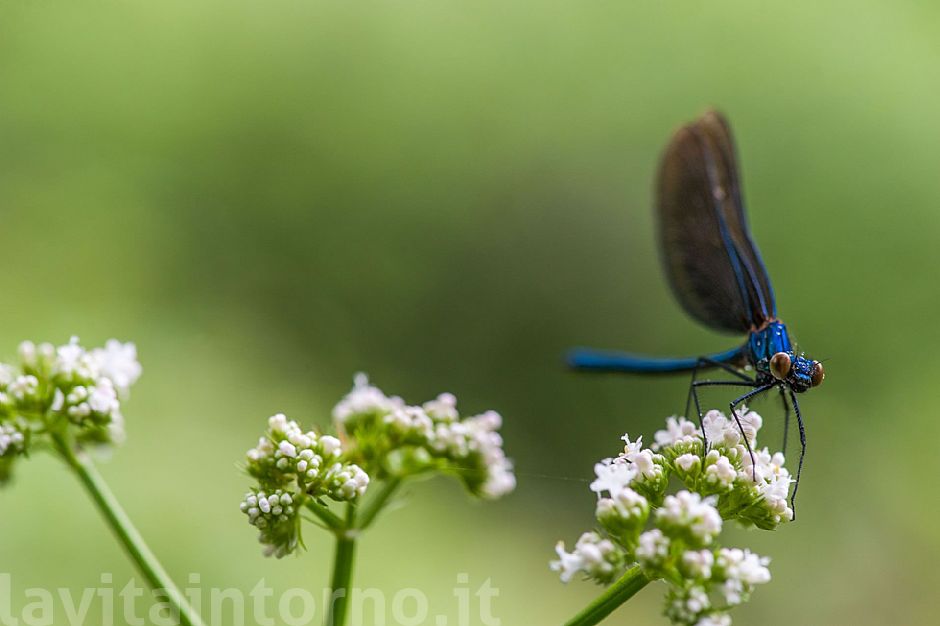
[
  {"x": 377, "y": 502},
  {"x": 622, "y": 590},
  {"x": 340, "y": 589},
  {"x": 125, "y": 531},
  {"x": 330, "y": 519}
]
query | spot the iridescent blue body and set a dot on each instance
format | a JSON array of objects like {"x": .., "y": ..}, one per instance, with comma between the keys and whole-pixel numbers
[
  {"x": 717, "y": 274},
  {"x": 773, "y": 339},
  {"x": 761, "y": 346}
]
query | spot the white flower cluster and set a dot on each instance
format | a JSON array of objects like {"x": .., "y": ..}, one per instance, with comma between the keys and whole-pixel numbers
[
  {"x": 87, "y": 383},
  {"x": 652, "y": 549},
  {"x": 598, "y": 558},
  {"x": 364, "y": 400},
  {"x": 705, "y": 579},
  {"x": 402, "y": 440},
  {"x": 690, "y": 515},
  {"x": 116, "y": 362},
  {"x": 691, "y": 524},
  {"x": 741, "y": 570},
  {"x": 288, "y": 456},
  {"x": 681, "y": 549},
  {"x": 64, "y": 389},
  {"x": 275, "y": 516},
  {"x": 623, "y": 511},
  {"x": 715, "y": 582},
  {"x": 380, "y": 438},
  {"x": 754, "y": 493},
  {"x": 12, "y": 440},
  {"x": 293, "y": 469}
]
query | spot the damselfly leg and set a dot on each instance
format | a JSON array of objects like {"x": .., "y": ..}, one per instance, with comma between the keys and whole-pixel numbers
[
  {"x": 786, "y": 417},
  {"x": 713, "y": 383},
  {"x": 704, "y": 361},
  {"x": 734, "y": 405},
  {"x": 799, "y": 467}
]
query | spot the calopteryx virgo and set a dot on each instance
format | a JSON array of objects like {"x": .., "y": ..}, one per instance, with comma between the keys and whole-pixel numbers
[{"x": 718, "y": 276}]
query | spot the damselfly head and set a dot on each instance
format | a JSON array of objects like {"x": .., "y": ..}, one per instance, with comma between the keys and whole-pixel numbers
[
  {"x": 798, "y": 371},
  {"x": 805, "y": 373}
]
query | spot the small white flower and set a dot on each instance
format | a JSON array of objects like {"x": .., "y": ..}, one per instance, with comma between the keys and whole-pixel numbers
[
  {"x": 652, "y": 548},
  {"x": 414, "y": 420},
  {"x": 348, "y": 482},
  {"x": 775, "y": 492},
  {"x": 645, "y": 464},
  {"x": 451, "y": 438},
  {"x": 116, "y": 428},
  {"x": 118, "y": 362},
  {"x": 102, "y": 398},
  {"x": 287, "y": 449},
  {"x": 688, "y": 511},
  {"x": 751, "y": 422},
  {"x": 31, "y": 355},
  {"x": 7, "y": 375},
  {"x": 364, "y": 398},
  {"x": 715, "y": 619},
  {"x": 58, "y": 400},
  {"x": 678, "y": 430},
  {"x": 687, "y": 461},
  {"x": 279, "y": 423},
  {"x": 444, "y": 407},
  {"x": 763, "y": 467},
  {"x": 721, "y": 471},
  {"x": 613, "y": 475},
  {"x": 733, "y": 591},
  {"x": 696, "y": 600},
  {"x": 719, "y": 430},
  {"x": 568, "y": 563},
  {"x": 624, "y": 505},
  {"x": 73, "y": 362},
  {"x": 11, "y": 440},
  {"x": 631, "y": 448},
  {"x": 23, "y": 388},
  {"x": 597, "y": 557},
  {"x": 742, "y": 570},
  {"x": 27, "y": 352},
  {"x": 80, "y": 410},
  {"x": 331, "y": 446},
  {"x": 724, "y": 431},
  {"x": 500, "y": 480},
  {"x": 744, "y": 565},
  {"x": 699, "y": 563},
  {"x": 489, "y": 420}
]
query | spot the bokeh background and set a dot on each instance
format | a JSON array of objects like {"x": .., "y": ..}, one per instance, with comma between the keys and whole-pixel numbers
[{"x": 268, "y": 197}]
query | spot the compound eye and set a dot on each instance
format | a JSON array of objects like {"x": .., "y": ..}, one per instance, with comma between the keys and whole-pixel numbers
[
  {"x": 780, "y": 365},
  {"x": 818, "y": 375}
]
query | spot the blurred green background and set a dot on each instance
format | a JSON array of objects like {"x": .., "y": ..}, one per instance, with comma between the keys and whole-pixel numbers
[{"x": 270, "y": 196}]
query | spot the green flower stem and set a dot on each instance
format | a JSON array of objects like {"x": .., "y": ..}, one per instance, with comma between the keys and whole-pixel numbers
[
  {"x": 377, "y": 502},
  {"x": 122, "y": 527},
  {"x": 622, "y": 590},
  {"x": 328, "y": 517},
  {"x": 340, "y": 589}
]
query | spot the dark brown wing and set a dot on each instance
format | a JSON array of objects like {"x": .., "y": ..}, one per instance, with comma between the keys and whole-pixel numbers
[{"x": 713, "y": 266}]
